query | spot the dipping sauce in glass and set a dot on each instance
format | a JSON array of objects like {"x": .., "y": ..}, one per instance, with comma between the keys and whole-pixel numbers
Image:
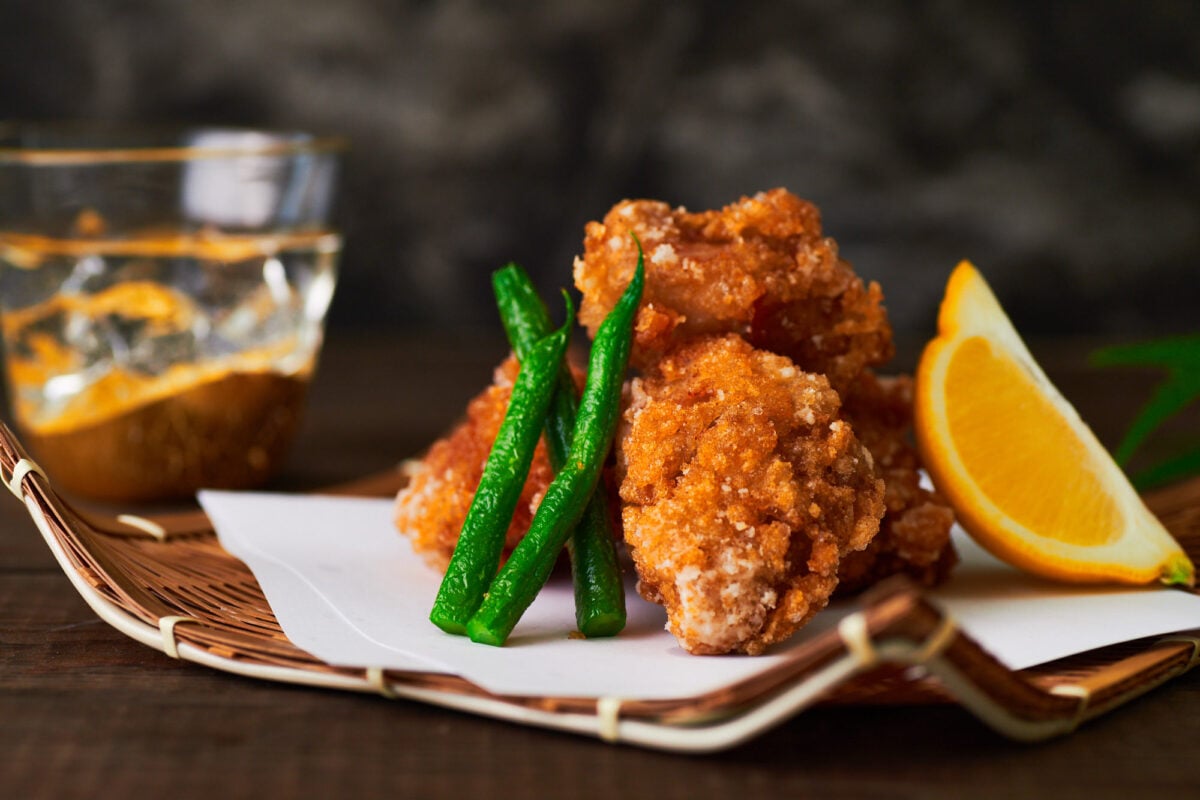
[{"x": 163, "y": 317}]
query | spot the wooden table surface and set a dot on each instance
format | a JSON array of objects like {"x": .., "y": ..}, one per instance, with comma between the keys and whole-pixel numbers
[{"x": 86, "y": 712}]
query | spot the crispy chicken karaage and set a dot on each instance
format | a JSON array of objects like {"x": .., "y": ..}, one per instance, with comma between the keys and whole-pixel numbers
[
  {"x": 761, "y": 463},
  {"x": 914, "y": 536},
  {"x": 742, "y": 490},
  {"x": 432, "y": 507},
  {"x": 760, "y": 268}
]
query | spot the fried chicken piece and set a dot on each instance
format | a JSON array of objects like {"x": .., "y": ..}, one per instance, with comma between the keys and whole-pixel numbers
[
  {"x": 432, "y": 507},
  {"x": 914, "y": 535},
  {"x": 759, "y": 267},
  {"x": 743, "y": 491}
]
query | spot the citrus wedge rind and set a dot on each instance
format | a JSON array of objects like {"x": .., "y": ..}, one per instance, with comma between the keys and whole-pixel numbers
[{"x": 1026, "y": 476}]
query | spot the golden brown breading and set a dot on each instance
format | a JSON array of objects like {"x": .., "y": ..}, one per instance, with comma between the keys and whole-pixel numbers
[
  {"x": 432, "y": 507},
  {"x": 750, "y": 488},
  {"x": 743, "y": 490},
  {"x": 759, "y": 267},
  {"x": 914, "y": 536}
]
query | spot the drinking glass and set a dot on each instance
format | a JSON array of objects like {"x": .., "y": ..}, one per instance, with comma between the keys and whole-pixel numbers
[{"x": 162, "y": 299}]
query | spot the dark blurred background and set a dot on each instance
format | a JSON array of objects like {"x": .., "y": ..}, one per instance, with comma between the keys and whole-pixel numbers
[{"x": 1056, "y": 144}]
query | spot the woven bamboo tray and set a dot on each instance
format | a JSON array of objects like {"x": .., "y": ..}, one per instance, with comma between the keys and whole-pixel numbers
[{"x": 167, "y": 583}]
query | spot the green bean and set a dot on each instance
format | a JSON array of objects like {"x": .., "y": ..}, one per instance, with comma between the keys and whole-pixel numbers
[
  {"x": 528, "y": 566},
  {"x": 599, "y": 592},
  {"x": 481, "y": 541}
]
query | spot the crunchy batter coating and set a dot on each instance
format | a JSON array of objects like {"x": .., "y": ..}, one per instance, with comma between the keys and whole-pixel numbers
[
  {"x": 754, "y": 452},
  {"x": 432, "y": 507},
  {"x": 914, "y": 535},
  {"x": 743, "y": 491},
  {"x": 759, "y": 267}
]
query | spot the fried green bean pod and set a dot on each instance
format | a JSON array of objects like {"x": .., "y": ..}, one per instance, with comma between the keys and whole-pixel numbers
[
  {"x": 481, "y": 541},
  {"x": 599, "y": 592},
  {"x": 529, "y": 565}
]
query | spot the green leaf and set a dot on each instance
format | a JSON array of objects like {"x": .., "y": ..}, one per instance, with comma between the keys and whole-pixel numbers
[
  {"x": 1173, "y": 352},
  {"x": 1174, "y": 394},
  {"x": 1180, "y": 357}
]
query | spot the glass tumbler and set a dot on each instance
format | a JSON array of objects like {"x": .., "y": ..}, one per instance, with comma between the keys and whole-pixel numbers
[{"x": 162, "y": 297}]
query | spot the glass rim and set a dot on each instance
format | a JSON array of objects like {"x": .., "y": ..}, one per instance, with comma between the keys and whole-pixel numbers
[{"x": 276, "y": 143}]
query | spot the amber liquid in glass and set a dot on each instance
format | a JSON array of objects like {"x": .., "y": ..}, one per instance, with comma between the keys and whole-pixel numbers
[{"x": 143, "y": 368}]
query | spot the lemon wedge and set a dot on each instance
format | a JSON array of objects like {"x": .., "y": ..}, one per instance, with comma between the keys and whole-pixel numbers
[{"x": 1026, "y": 476}]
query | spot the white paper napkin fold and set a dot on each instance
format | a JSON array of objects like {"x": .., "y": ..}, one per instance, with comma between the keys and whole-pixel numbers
[{"x": 348, "y": 588}]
